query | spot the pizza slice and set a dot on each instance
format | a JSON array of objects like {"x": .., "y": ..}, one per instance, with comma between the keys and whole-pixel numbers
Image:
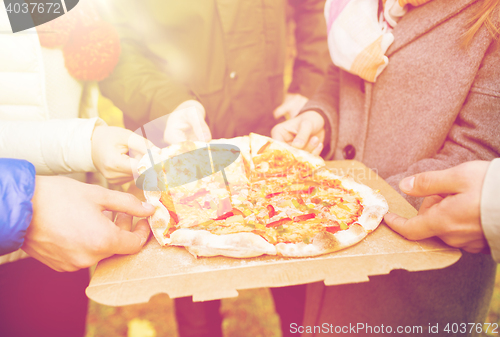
[{"x": 272, "y": 158}]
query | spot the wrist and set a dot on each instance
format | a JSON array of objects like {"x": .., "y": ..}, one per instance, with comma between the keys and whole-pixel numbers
[
  {"x": 325, "y": 125},
  {"x": 316, "y": 118}
]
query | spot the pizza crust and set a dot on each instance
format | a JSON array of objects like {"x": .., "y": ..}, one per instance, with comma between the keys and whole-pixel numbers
[
  {"x": 160, "y": 219},
  {"x": 323, "y": 243},
  {"x": 374, "y": 204},
  {"x": 204, "y": 243}
]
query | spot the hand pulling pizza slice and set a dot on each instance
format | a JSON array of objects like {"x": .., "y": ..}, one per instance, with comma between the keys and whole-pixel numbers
[
  {"x": 272, "y": 158},
  {"x": 278, "y": 208}
]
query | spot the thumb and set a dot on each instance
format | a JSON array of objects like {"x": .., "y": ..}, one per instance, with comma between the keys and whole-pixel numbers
[
  {"x": 131, "y": 242},
  {"x": 123, "y": 202},
  {"x": 416, "y": 228},
  {"x": 430, "y": 183}
]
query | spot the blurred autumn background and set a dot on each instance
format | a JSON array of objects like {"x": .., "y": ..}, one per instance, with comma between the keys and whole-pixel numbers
[{"x": 251, "y": 314}]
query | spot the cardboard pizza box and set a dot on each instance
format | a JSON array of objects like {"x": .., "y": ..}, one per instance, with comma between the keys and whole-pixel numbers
[{"x": 131, "y": 279}]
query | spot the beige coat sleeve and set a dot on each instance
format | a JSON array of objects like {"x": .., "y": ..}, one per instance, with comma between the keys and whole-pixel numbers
[
  {"x": 54, "y": 146},
  {"x": 490, "y": 208}
]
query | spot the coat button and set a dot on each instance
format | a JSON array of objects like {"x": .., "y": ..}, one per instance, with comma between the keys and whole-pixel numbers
[
  {"x": 349, "y": 152},
  {"x": 232, "y": 75}
]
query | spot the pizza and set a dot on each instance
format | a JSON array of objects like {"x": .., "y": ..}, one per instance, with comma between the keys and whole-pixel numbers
[{"x": 250, "y": 196}]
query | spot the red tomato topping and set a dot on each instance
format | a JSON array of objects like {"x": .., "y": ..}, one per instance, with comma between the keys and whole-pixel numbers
[
  {"x": 332, "y": 229},
  {"x": 304, "y": 217},
  {"x": 279, "y": 222},
  {"x": 273, "y": 195},
  {"x": 271, "y": 211},
  {"x": 225, "y": 216},
  {"x": 264, "y": 148},
  {"x": 174, "y": 216}
]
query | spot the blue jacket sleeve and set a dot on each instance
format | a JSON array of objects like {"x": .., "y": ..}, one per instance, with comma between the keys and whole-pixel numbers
[{"x": 17, "y": 185}]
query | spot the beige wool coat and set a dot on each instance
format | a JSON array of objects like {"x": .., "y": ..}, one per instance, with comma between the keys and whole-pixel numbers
[{"x": 436, "y": 105}]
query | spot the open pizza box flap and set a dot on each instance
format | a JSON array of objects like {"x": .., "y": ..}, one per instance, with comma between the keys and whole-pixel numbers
[{"x": 131, "y": 279}]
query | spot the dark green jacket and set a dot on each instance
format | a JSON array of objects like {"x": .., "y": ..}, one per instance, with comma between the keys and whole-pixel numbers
[{"x": 229, "y": 55}]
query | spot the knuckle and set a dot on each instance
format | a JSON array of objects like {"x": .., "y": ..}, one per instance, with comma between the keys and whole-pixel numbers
[
  {"x": 424, "y": 182},
  {"x": 129, "y": 199}
]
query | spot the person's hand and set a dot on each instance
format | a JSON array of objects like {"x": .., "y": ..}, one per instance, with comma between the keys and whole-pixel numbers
[
  {"x": 187, "y": 122},
  {"x": 303, "y": 132},
  {"x": 110, "y": 148},
  {"x": 291, "y": 106},
  {"x": 451, "y": 209},
  {"x": 71, "y": 229}
]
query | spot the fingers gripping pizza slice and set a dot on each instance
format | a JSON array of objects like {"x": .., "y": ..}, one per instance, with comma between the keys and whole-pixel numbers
[
  {"x": 272, "y": 158},
  {"x": 277, "y": 202}
]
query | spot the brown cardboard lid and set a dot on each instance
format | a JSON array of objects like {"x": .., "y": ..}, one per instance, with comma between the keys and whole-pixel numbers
[{"x": 129, "y": 279}]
